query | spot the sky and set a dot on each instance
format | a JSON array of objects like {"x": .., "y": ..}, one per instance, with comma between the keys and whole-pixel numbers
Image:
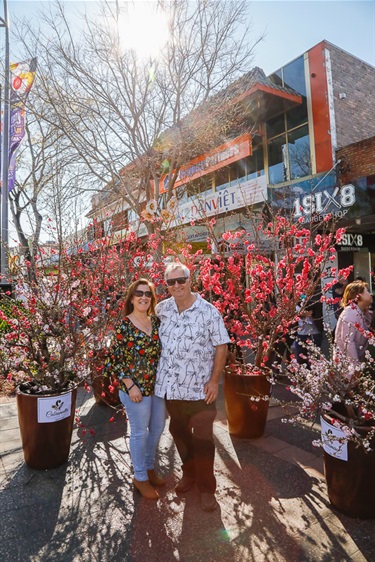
[{"x": 290, "y": 27}]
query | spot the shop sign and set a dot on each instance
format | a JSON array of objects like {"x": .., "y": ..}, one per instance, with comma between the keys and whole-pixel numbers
[
  {"x": 313, "y": 200},
  {"x": 222, "y": 156},
  {"x": 235, "y": 197},
  {"x": 351, "y": 243},
  {"x": 316, "y": 205}
]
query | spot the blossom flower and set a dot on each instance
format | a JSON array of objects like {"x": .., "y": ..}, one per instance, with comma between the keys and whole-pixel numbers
[
  {"x": 151, "y": 207},
  {"x": 172, "y": 205}
]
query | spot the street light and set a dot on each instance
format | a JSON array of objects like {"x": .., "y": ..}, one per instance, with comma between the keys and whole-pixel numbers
[{"x": 4, "y": 282}]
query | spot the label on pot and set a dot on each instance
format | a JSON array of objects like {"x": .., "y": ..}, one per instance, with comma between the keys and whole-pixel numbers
[
  {"x": 54, "y": 408},
  {"x": 334, "y": 441}
]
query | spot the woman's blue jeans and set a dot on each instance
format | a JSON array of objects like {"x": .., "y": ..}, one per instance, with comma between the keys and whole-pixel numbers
[{"x": 146, "y": 420}]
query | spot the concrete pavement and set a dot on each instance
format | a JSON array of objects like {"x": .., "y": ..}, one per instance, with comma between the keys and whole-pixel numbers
[{"x": 271, "y": 491}]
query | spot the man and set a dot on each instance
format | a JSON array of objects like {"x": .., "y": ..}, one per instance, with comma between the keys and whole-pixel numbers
[{"x": 194, "y": 349}]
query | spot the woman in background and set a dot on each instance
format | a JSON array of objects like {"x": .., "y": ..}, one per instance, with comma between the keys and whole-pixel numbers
[{"x": 353, "y": 320}]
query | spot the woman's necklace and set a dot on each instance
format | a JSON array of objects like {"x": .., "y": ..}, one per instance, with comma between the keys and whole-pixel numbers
[{"x": 142, "y": 326}]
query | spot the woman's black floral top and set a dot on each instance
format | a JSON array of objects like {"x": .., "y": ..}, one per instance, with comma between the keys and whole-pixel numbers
[{"x": 134, "y": 354}]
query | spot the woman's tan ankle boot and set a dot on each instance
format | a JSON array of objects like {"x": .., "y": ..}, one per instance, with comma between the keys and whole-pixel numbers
[
  {"x": 155, "y": 479},
  {"x": 145, "y": 489}
]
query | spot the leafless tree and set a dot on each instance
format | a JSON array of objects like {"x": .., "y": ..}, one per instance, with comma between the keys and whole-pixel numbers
[
  {"x": 132, "y": 120},
  {"x": 46, "y": 176}
]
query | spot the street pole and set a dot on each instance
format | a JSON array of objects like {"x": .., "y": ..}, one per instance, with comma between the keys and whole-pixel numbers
[{"x": 4, "y": 22}]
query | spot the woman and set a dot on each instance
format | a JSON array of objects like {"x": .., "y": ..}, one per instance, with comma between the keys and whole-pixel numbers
[
  {"x": 133, "y": 358},
  {"x": 354, "y": 318}
]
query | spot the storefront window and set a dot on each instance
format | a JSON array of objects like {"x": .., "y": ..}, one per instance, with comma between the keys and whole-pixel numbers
[
  {"x": 297, "y": 115},
  {"x": 237, "y": 170},
  {"x": 255, "y": 164},
  {"x": 277, "y": 160},
  {"x": 275, "y": 126},
  {"x": 221, "y": 178},
  {"x": 299, "y": 152},
  {"x": 200, "y": 185},
  {"x": 289, "y": 155},
  {"x": 294, "y": 76}
]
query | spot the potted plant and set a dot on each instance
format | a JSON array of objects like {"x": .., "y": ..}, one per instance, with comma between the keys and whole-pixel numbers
[
  {"x": 49, "y": 337},
  {"x": 342, "y": 396},
  {"x": 256, "y": 280}
]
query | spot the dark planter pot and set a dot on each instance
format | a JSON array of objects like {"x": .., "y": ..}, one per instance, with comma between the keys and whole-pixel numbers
[
  {"x": 46, "y": 426},
  {"x": 100, "y": 383},
  {"x": 102, "y": 393},
  {"x": 246, "y": 417},
  {"x": 351, "y": 482}
]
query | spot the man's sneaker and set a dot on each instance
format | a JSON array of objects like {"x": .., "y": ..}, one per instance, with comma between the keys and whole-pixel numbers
[
  {"x": 184, "y": 485},
  {"x": 208, "y": 501}
]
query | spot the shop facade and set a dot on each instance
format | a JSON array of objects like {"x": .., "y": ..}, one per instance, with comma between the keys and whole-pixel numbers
[{"x": 291, "y": 152}]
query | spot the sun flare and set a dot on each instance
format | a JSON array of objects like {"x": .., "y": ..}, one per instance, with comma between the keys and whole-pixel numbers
[{"x": 143, "y": 28}]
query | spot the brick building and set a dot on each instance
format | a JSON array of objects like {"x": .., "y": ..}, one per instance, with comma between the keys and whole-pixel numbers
[
  {"x": 357, "y": 168},
  {"x": 302, "y": 125}
]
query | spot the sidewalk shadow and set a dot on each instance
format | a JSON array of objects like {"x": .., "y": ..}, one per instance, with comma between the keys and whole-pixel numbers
[
  {"x": 279, "y": 511},
  {"x": 30, "y": 507}
]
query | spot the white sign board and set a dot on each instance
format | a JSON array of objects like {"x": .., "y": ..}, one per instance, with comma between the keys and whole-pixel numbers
[
  {"x": 235, "y": 197},
  {"x": 54, "y": 408},
  {"x": 334, "y": 441}
]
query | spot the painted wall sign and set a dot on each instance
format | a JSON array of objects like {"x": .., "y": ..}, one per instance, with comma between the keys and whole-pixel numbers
[
  {"x": 222, "y": 156},
  {"x": 56, "y": 408}
]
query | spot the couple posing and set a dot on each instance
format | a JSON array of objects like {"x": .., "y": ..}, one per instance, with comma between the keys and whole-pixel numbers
[{"x": 170, "y": 355}]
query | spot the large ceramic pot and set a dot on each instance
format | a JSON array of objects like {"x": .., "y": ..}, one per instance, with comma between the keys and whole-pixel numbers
[
  {"x": 46, "y": 426},
  {"x": 349, "y": 473},
  {"x": 246, "y": 402}
]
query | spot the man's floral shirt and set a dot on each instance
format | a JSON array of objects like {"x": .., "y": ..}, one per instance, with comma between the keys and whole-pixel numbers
[{"x": 134, "y": 354}]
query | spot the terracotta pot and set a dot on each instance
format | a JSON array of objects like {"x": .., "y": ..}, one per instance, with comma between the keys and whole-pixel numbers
[
  {"x": 46, "y": 426},
  {"x": 351, "y": 482},
  {"x": 246, "y": 417}
]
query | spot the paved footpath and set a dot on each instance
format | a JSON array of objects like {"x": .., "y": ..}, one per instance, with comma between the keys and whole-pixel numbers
[{"x": 271, "y": 491}]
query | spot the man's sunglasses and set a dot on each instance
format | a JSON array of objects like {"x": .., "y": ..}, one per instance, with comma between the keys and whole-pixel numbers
[
  {"x": 139, "y": 293},
  {"x": 179, "y": 280}
]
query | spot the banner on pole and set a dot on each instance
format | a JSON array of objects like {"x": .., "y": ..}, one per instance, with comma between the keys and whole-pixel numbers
[{"x": 22, "y": 76}]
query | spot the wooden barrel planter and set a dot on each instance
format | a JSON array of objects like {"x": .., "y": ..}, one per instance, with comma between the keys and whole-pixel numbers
[
  {"x": 246, "y": 399},
  {"x": 350, "y": 476},
  {"x": 46, "y": 426}
]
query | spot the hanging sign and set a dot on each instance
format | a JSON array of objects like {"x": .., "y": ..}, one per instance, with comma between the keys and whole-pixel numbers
[{"x": 54, "y": 408}]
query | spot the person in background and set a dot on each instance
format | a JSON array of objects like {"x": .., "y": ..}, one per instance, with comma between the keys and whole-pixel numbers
[
  {"x": 309, "y": 329},
  {"x": 337, "y": 294},
  {"x": 354, "y": 318},
  {"x": 194, "y": 350},
  {"x": 133, "y": 359}
]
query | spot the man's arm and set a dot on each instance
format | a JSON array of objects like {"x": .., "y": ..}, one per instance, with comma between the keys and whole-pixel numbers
[{"x": 211, "y": 388}]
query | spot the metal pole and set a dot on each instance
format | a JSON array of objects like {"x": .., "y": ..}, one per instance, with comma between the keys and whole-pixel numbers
[{"x": 4, "y": 22}]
